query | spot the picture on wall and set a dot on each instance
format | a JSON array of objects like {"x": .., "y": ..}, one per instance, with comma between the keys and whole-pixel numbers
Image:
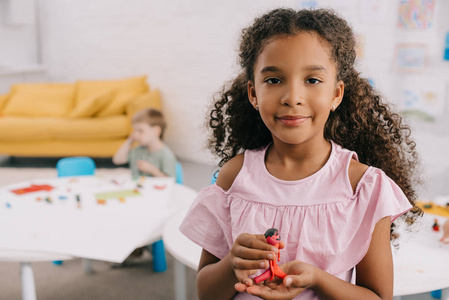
[
  {"x": 410, "y": 57},
  {"x": 416, "y": 14},
  {"x": 423, "y": 101}
]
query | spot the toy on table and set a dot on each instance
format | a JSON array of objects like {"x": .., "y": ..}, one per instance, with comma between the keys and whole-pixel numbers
[
  {"x": 445, "y": 238},
  {"x": 436, "y": 226},
  {"x": 33, "y": 188},
  {"x": 78, "y": 201},
  {"x": 273, "y": 238}
]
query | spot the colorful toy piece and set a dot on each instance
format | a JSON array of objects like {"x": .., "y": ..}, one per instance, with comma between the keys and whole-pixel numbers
[
  {"x": 33, "y": 188},
  {"x": 436, "y": 226},
  {"x": 273, "y": 238},
  {"x": 101, "y": 201}
]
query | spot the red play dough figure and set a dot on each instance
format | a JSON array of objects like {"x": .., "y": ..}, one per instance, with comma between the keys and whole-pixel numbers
[{"x": 273, "y": 238}]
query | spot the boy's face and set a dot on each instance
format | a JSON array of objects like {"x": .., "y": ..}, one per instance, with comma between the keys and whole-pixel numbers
[{"x": 145, "y": 134}]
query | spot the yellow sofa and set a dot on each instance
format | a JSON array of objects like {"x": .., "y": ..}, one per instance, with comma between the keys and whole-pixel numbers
[{"x": 88, "y": 118}]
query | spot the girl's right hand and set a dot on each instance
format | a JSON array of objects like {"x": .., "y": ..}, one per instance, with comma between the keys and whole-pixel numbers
[{"x": 249, "y": 253}]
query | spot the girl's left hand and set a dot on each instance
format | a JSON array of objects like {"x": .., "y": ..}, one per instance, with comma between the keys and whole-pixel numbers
[{"x": 300, "y": 276}]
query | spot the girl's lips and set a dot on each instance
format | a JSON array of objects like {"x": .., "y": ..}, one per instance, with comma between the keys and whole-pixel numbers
[{"x": 292, "y": 121}]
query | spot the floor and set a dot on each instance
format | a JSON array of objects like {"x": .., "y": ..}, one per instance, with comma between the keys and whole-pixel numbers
[{"x": 68, "y": 281}]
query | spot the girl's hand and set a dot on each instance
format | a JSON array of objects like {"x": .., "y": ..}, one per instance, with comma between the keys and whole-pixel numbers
[
  {"x": 300, "y": 276},
  {"x": 249, "y": 253}
]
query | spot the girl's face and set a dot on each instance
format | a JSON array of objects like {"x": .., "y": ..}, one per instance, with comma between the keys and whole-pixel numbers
[
  {"x": 295, "y": 87},
  {"x": 145, "y": 134}
]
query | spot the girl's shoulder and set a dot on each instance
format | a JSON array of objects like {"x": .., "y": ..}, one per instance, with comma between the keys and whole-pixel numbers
[
  {"x": 229, "y": 172},
  {"x": 356, "y": 171}
]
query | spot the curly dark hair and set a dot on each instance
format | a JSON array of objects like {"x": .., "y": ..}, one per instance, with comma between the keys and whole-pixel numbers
[{"x": 362, "y": 122}]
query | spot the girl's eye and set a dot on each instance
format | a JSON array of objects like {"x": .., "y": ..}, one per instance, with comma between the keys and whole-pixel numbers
[
  {"x": 313, "y": 81},
  {"x": 273, "y": 81}
]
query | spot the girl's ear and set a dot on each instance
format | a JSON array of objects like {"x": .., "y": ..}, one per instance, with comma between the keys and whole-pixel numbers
[
  {"x": 252, "y": 94},
  {"x": 338, "y": 94}
]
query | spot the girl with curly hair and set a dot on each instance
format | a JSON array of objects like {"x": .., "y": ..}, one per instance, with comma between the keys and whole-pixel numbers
[{"x": 309, "y": 147}]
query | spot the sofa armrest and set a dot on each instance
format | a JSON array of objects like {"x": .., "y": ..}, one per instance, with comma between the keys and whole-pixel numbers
[
  {"x": 3, "y": 101},
  {"x": 149, "y": 99}
]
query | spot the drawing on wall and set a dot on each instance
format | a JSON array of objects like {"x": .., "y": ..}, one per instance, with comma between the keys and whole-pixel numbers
[
  {"x": 422, "y": 101},
  {"x": 416, "y": 14},
  {"x": 410, "y": 57}
]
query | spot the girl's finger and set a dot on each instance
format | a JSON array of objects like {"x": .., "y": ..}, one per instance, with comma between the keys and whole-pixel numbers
[
  {"x": 255, "y": 242},
  {"x": 245, "y": 264},
  {"x": 253, "y": 254}
]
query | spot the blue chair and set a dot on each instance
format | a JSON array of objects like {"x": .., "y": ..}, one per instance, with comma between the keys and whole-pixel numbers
[
  {"x": 157, "y": 248},
  {"x": 214, "y": 176},
  {"x": 76, "y": 166},
  {"x": 179, "y": 173},
  {"x": 436, "y": 294}
]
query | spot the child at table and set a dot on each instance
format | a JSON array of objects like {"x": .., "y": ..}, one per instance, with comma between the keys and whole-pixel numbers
[
  {"x": 307, "y": 147},
  {"x": 151, "y": 157}
]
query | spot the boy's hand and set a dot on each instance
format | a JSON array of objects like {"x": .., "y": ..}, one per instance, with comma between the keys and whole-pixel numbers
[
  {"x": 146, "y": 167},
  {"x": 249, "y": 253},
  {"x": 300, "y": 276}
]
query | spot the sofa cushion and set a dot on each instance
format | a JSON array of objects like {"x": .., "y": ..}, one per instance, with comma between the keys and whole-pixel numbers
[
  {"x": 150, "y": 99},
  {"x": 133, "y": 85},
  {"x": 3, "y": 101},
  {"x": 40, "y": 100},
  {"x": 117, "y": 105},
  {"x": 91, "y": 105},
  {"x": 31, "y": 129}
]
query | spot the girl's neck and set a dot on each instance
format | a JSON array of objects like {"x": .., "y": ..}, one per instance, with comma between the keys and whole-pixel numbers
[
  {"x": 155, "y": 146},
  {"x": 294, "y": 162}
]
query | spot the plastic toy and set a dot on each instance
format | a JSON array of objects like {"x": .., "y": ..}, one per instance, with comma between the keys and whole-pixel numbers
[
  {"x": 436, "y": 226},
  {"x": 273, "y": 238},
  {"x": 33, "y": 188}
]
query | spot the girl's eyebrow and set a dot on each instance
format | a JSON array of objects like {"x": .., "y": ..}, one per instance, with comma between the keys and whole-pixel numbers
[
  {"x": 315, "y": 68},
  {"x": 269, "y": 69},
  {"x": 307, "y": 68}
]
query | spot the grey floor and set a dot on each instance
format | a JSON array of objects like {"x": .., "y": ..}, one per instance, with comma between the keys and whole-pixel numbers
[{"x": 137, "y": 281}]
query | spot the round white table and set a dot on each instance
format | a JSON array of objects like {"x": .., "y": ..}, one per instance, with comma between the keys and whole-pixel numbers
[
  {"x": 421, "y": 262},
  {"x": 60, "y": 227}
]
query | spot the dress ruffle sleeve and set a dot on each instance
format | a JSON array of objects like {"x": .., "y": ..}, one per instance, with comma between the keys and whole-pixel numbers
[
  {"x": 376, "y": 197},
  {"x": 208, "y": 221}
]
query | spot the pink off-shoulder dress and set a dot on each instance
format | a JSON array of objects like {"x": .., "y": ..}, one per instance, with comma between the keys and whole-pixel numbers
[{"x": 320, "y": 218}]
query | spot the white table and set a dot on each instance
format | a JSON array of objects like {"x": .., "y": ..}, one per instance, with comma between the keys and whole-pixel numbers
[
  {"x": 185, "y": 252},
  {"x": 421, "y": 263},
  {"x": 39, "y": 230}
]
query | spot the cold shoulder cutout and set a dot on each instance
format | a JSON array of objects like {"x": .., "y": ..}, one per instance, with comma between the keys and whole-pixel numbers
[
  {"x": 229, "y": 171},
  {"x": 320, "y": 218}
]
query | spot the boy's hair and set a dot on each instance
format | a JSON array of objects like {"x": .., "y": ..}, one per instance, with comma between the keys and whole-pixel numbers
[
  {"x": 362, "y": 122},
  {"x": 150, "y": 116}
]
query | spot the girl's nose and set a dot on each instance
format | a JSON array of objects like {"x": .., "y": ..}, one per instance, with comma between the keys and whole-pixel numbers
[{"x": 293, "y": 96}]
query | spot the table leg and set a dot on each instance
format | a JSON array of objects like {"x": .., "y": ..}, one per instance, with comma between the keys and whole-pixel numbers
[
  {"x": 87, "y": 266},
  {"x": 180, "y": 281},
  {"x": 28, "y": 288}
]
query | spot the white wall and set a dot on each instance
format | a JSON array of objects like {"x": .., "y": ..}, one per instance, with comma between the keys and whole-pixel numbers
[
  {"x": 19, "y": 46},
  {"x": 188, "y": 49},
  {"x": 185, "y": 47}
]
